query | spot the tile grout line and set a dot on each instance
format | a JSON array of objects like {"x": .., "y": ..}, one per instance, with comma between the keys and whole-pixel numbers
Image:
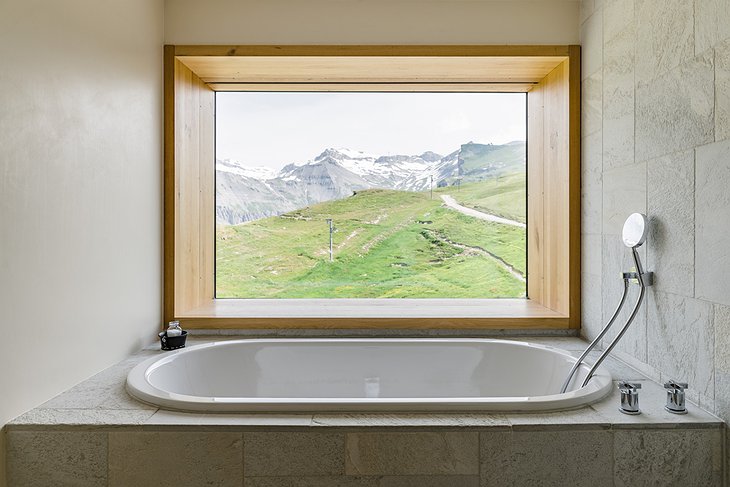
[{"x": 646, "y": 169}]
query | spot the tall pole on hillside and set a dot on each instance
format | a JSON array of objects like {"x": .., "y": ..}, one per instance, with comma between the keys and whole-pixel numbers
[
  {"x": 329, "y": 221},
  {"x": 431, "y": 186}
]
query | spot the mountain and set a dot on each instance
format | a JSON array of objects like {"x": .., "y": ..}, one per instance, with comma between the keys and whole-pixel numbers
[{"x": 245, "y": 193}]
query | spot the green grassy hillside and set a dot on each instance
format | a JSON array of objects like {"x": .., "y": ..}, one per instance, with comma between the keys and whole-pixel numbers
[
  {"x": 499, "y": 158},
  {"x": 387, "y": 244},
  {"x": 503, "y": 195}
]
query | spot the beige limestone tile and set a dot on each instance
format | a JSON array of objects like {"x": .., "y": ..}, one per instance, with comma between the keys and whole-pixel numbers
[
  {"x": 616, "y": 260},
  {"x": 430, "y": 481},
  {"x": 328, "y": 481},
  {"x": 624, "y": 193},
  {"x": 675, "y": 111},
  {"x": 163, "y": 417},
  {"x": 582, "y": 418},
  {"x": 727, "y": 452},
  {"x": 3, "y": 456},
  {"x": 712, "y": 212},
  {"x": 681, "y": 341},
  {"x": 56, "y": 458},
  {"x": 592, "y": 103},
  {"x": 618, "y": 127},
  {"x": 411, "y": 420},
  {"x": 648, "y": 371},
  {"x": 721, "y": 324},
  {"x": 618, "y": 95},
  {"x": 293, "y": 453},
  {"x": 618, "y": 103},
  {"x": 495, "y": 458},
  {"x": 380, "y": 481},
  {"x": 83, "y": 417},
  {"x": 671, "y": 210},
  {"x": 618, "y": 16},
  {"x": 418, "y": 453},
  {"x": 592, "y": 183},
  {"x": 105, "y": 390},
  {"x": 547, "y": 458},
  {"x": 175, "y": 459},
  {"x": 591, "y": 37},
  {"x": 664, "y": 36},
  {"x": 722, "y": 90},
  {"x": 712, "y": 23},
  {"x": 668, "y": 457},
  {"x": 591, "y": 303}
]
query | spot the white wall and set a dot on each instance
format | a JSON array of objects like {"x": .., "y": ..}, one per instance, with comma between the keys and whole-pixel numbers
[
  {"x": 371, "y": 22},
  {"x": 656, "y": 139},
  {"x": 80, "y": 191}
]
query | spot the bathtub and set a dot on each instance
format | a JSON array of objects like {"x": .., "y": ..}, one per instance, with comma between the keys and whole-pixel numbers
[{"x": 363, "y": 375}]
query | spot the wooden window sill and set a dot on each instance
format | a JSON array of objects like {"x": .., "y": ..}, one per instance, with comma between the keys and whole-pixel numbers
[{"x": 374, "y": 313}]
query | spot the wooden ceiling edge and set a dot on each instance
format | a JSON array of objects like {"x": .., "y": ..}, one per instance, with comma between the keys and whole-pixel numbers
[
  {"x": 373, "y": 50},
  {"x": 377, "y": 87}
]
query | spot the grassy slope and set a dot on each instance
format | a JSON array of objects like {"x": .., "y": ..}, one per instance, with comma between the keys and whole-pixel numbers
[
  {"x": 387, "y": 244},
  {"x": 504, "y": 195},
  {"x": 510, "y": 157}
]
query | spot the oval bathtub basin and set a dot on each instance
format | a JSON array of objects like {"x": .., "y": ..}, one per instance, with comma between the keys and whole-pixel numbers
[{"x": 364, "y": 375}]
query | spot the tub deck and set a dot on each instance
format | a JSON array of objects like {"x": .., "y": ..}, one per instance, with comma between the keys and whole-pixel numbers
[{"x": 117, "y": 440}]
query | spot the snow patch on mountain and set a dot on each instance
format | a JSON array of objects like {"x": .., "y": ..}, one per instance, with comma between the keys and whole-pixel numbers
[
  {"x": 255, "y": 172},
  {"x": 247, "y": 193}
]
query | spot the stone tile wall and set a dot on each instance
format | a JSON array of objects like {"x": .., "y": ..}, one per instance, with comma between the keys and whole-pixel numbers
[
  {"x": 656, "y": 139},
  {"x": 557, "y": 455}
]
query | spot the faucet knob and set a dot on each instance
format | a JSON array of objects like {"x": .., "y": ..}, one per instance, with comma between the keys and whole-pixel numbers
[
  {"x": 629, "y": 397},
  {"x": 672, "y": 384},
  {"x": 675, "y": 397}
]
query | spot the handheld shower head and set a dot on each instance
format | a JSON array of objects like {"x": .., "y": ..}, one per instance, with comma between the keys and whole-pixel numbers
[{"x": 635, "y": 230}]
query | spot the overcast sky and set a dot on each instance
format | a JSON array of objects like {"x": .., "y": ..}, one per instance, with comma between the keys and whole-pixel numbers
[{"x": 275, "y": 129}]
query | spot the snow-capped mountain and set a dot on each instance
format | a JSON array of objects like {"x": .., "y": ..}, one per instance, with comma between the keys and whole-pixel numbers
[{"x": 247, "y": 193}]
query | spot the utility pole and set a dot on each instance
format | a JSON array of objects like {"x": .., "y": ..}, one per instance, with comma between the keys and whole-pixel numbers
[
  {"x": 329, "y": 221},
  {"x": 431, "y": 186}
]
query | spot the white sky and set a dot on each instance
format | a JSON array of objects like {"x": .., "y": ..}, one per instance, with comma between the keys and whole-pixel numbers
[{"x": 275, "y": 129}]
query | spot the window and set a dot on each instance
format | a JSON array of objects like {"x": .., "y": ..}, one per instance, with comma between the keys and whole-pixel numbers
[
  {"x": 433, "y": 207},
  {"x": 207, "y": 277}
]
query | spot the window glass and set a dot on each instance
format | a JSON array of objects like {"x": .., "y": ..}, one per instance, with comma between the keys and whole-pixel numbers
[{"x": 370, "y": 195}]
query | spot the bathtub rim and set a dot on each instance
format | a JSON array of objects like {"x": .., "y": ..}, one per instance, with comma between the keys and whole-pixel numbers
[{"x": 142, "y": 390}]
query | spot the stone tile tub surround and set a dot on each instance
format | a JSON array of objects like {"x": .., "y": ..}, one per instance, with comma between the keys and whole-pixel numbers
[
  {"x": 94, "y": 434},
  {"x": 656, "y": 139}
]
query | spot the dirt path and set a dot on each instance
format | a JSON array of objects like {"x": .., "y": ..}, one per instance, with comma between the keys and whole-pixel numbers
[
  {"x": 451, "y": 203},
  {"x": 480, "y": 251}
]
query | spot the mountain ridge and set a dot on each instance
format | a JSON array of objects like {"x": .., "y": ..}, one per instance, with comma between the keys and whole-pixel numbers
[{"x": 247, "y": 193}]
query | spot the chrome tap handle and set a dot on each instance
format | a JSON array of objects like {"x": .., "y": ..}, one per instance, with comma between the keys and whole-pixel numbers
[
  {"x": 675, "y": 397},
  {"x": 629, "y": 397}
]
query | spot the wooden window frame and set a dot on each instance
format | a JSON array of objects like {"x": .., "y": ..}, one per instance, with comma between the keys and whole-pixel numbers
[{"x": 192, "y": 74}]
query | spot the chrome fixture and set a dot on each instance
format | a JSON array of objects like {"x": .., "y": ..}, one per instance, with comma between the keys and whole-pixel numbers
[
  {"x": 634, "y": 235},
  {"x": 629, "y": 397},
  {"x": 675, "y": 397}
]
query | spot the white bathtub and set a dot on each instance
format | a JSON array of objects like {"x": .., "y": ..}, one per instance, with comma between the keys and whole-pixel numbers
[{"x": 363, "y": 375}]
